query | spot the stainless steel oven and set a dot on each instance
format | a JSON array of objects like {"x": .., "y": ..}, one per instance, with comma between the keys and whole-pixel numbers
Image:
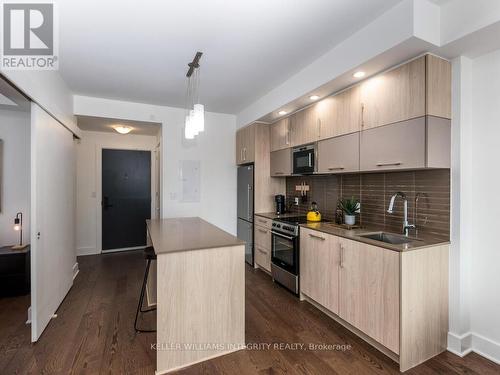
[
  {"x": 304, "y": 159},
  {"x": 285, "y": 254}
]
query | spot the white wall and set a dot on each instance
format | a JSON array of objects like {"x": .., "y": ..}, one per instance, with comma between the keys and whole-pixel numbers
[
  {"x": 215, "y": 148},
  {"x": 14, "y": 175},
  {"x": 87, "y": 181},
  {"x": 475, "y": 257}
]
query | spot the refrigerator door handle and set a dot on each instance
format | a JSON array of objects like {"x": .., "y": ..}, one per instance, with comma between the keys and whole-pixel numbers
[{"x": 249, "y": 189}]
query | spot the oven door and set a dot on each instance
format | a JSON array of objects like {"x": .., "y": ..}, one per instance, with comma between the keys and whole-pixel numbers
[
  {"x": 303, "y": 161},
  {"x": 285, "y": 252}
]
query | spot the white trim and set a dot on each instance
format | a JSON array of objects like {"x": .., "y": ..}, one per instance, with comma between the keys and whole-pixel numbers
[
  {"x": 123, "y": 249},
  {"x": 461, "y": 345},
  {"x": 86, "y": 250},
  {"x": 98, "y": 181},
  {"x": 76, "y": 270}
]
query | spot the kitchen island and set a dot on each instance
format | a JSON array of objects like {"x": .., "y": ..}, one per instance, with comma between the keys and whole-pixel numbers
[{"x": 200, "y": 291}]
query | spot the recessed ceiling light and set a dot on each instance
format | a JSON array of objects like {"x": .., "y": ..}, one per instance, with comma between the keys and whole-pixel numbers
[
  {"x": 122, "y": 129},
  {"x": 281, "y": 113},
  {"x": 314, "y": 97},
  {"x": 359, "y": 74}
]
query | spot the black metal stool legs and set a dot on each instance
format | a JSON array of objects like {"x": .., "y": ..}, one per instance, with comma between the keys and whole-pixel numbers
[{"x": 141, "y": 300}]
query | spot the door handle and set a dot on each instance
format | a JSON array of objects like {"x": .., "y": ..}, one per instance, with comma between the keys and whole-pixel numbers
[
  {"x": 341, "y": 256},
  {"x": 105, "y": 203},
  {"x": 335, "y": 168}
]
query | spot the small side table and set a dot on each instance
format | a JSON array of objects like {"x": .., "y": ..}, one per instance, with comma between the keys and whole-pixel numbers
[{"x": 15, "y": 278}]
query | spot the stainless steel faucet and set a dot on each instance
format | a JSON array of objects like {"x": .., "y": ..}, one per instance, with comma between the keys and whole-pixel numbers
[{"x": 406, "y": 226}]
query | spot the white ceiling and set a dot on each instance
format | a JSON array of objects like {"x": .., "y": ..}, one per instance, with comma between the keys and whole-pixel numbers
[
  {"x": 138, "y": 50},
  {"x": 101, "y": 124}
]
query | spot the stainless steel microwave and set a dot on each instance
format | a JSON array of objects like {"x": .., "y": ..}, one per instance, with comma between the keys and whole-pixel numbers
[{"x": 304, "y": 159}]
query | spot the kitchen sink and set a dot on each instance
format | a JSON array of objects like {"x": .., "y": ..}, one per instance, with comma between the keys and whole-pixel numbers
[{"x": 388, "y": 238}]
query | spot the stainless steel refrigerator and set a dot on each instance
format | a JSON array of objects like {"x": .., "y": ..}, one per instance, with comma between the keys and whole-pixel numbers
[{"x": 245, "y": 209}]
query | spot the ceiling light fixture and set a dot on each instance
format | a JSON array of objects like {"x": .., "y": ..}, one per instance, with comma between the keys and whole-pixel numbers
[
  {"x": 281, "y": 113},
  {"x": 195, "y": 115},
  {"x": 359, "y": 74},
  {"x": 314, "y": 97},
  {"x": 122, "y": 129}
]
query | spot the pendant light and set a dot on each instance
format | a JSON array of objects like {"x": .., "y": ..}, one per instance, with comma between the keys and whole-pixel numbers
[{"x": 195, "y": 111}]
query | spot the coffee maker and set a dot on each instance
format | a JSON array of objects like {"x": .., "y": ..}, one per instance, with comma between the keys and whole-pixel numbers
[{"x": 280, "y": 204}]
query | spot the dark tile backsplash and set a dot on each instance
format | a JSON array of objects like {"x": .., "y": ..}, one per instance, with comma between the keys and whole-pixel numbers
[{"x": 374, "y": 190}]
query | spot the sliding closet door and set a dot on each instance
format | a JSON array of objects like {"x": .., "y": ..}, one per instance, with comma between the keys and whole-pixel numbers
[{"x": 53, "y": 217}]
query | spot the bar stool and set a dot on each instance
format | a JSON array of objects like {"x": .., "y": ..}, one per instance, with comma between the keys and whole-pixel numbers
[{"x": 149, "y": 254}]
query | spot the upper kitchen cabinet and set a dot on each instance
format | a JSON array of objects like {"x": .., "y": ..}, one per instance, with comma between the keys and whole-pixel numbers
[
  {"x": 304, "y": 126},
  {"x": 340, "y": 114},
  {"x": 245, "y": 145},
  {"x": 438, "y": 87},
  {"x": 396, "y": 95},
  {"x": 417, "y": 88},
  {"x": 280, "y": 134}
]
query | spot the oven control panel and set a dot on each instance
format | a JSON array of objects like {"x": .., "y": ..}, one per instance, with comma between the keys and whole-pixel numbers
[{"x": 285, "y": 228}]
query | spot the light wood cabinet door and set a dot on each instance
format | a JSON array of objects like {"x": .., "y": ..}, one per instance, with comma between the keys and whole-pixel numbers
[
  {"x": 395, "y": 146},
  {"x": 245, "y": 145},
  {"x": 438, "y": 87},
  {"x": 369, "y": 291},
  {"x": 281, "y": 163},
  {"x": 319, "y": 268},
  {"x": 239, "y": 146},
  {"x": 340, "y": 114},
  {"x": 339, "y": 154},
  {"x": 396, "y": 95},
  {"x": 280, "y": 134},
  {"x": 304, "y": 127},
  {"x": 262, "y": 245}
]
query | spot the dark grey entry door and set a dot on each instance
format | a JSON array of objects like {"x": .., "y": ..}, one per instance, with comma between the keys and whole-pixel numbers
[{"x": 126, "y": 198}]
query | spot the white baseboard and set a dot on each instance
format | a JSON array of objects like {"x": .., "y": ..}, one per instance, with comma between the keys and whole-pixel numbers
[
  {"x": 75, "y": 270},
  {"x": 462, "y": 345},
  {"x": 82, "y": 251}
]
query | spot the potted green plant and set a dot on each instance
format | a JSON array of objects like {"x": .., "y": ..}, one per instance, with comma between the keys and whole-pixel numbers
[{"x": 349, "y": 207}]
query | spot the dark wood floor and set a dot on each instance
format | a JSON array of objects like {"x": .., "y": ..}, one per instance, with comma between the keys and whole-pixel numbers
[{"x": 94, "y": 333}]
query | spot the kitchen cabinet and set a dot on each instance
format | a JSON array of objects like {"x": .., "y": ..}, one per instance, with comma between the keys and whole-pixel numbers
[
  {"x": 340, "y": 114},
  {"x": 397, "y": 301},
  {"x": 263, "y": 221},
  {"x": 245, "y": 145},
  {"x": 393, "y": 96},
  {"x": 281, "y": 163},
  {"x": 369, "y": 291},
  {"x": 424, "y": 142},
  {"x": 395, "y": 146},
  {"x": 280, "y": 134},
  {"x": 304, "y": 126},
  {"x": 438, "y": 87},
  {"x": 319, "y": 267},
  {"x": 339, "y": 154},
  {"x": 262, "y": 247}
]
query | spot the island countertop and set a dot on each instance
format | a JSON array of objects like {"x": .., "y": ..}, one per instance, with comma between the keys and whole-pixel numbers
[{"x": 185, "y": 234}]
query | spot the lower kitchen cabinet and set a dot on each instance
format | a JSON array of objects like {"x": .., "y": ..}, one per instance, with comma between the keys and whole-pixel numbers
[
  {"x": 397, "y": 301},
  {"x": 339, "y": 154},
  {"x": 369, "y": 291},
  {"x": 262, "y": 247},
  {"x": 319, "y": 267}
]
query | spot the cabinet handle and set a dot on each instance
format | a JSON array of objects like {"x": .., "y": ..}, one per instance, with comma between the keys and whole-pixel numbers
[
  {"x": 362, "y": 115},
  {"x": 335, "y": 168},
  {"x": 319, "y": 128},
  {"x": 262, "y": 221},
  {"x": 341, "y": 256},
  {"x": 387, "y": 164},
  {"x": 318, "y": 237},
  {"x": 262, "y": 251},
  {"x": 245, "y": 154},
  {"x": 278, "y": 173},
  {"x": 262, "y": 230}
]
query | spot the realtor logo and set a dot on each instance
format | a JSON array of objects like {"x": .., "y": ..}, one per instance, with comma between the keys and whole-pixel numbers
[{"x": 29, "y": 36}]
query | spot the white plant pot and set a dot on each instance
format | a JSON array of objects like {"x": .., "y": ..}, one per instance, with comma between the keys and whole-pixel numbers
[{"x": 349, "y": 219}]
